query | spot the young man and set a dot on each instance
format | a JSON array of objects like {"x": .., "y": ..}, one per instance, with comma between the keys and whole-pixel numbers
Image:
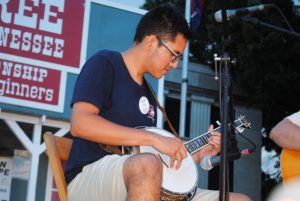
[
  {"x": 111, "y": 99},
  {"x": 286, "y": 133}
]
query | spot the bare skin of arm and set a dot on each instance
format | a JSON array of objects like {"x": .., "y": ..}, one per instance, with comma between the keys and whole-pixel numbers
[
  {"x": 286, "y": 134},
  {"x": 87, "y": 124}
]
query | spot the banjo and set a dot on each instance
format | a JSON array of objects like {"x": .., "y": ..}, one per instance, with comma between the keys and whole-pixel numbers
[{"x": 181, "y": 184}]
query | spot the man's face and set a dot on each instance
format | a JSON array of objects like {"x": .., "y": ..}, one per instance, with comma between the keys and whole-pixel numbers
[{"x": 167, "y": 55}]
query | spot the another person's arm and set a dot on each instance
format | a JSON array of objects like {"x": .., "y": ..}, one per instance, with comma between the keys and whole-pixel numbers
[{"x": 286, "y": 133}]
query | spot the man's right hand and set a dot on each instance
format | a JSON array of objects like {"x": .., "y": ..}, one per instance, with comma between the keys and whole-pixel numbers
[{"x": 173, "y": 147}]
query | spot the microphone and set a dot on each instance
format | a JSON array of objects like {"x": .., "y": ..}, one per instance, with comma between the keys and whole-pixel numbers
[
  {"x": 208, "y": 162},
  {"x": 230, "y": 14}
]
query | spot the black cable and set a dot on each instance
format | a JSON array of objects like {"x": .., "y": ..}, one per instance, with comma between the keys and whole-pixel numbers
[
  {"x": 251, "y": 150},
  {"x": 283, "y": 16}
]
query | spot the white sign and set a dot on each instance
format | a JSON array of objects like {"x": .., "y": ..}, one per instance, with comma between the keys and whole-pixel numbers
[{"x": 5, "y": 177}]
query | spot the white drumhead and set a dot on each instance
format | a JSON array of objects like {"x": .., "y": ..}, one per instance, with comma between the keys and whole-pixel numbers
[{"x": 180, "y": 181}]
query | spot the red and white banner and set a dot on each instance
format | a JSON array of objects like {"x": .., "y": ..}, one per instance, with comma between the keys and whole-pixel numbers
[
  {"x": 40, "y": 40},
  {"x": 44, "y": 30},
  {"x": 32, "y": 86}
]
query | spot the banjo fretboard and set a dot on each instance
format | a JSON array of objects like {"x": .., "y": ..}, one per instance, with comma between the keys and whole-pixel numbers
[{"x": 201, "y": 141}]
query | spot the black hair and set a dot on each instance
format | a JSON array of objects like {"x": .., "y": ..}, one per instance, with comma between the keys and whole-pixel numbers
[{"x": 164, "y": 21}]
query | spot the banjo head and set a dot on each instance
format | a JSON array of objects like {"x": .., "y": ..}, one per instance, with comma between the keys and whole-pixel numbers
[{"x": 180, "y": 181}]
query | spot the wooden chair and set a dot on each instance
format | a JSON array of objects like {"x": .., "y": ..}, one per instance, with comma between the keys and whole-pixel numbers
[{"x": 58, "y": 150}]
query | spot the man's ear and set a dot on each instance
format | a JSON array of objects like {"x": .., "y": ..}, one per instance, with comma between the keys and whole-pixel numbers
[{"x": 149, "y": 41}]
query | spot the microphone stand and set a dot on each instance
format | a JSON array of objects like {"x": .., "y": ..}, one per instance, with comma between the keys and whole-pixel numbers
[
  {"x": 256, "y": 21},
  {"x": 226, "y": 101},
  {"x": 226, "y": 111}
]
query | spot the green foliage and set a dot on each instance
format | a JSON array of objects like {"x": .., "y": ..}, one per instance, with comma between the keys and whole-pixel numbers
[{"x": 267, "y": 64}]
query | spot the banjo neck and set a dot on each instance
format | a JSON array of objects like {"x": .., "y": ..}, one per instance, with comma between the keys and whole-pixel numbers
[{"x": 201, "y": 141}]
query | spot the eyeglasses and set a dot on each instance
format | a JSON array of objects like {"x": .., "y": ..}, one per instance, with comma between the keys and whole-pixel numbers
[{"x": 175, "y": 55}]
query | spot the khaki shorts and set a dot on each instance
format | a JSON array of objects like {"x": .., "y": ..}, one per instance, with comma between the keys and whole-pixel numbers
[{"x": 103, "y": 180}]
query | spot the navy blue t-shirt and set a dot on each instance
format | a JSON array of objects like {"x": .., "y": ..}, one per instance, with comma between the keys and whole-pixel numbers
[{"x": 105, "y": 82}]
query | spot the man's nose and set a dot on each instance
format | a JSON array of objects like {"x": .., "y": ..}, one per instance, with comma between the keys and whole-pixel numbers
[{"x": 174, "y": 64}]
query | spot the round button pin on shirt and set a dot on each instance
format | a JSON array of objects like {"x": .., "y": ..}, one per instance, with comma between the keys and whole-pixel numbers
[{"x": 144, "y": 105}]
